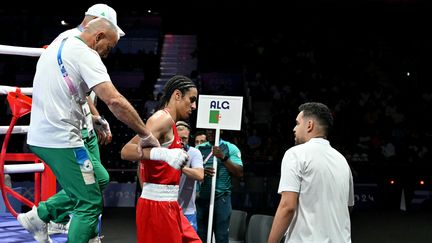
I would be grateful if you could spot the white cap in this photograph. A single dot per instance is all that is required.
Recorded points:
(104, 11)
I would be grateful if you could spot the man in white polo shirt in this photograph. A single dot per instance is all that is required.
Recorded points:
(91, 134)
(316, 184)
(66, 71)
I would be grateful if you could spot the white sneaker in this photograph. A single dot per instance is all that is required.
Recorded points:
(56, 228)
(33, 224)
(95, 240)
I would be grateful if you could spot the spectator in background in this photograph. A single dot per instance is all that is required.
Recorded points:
(316, 184)
(229, 164)
(192, 172)
(151, 105)
(200, 137)
(254, 140)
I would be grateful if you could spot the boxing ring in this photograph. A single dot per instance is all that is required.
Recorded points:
(44, 179)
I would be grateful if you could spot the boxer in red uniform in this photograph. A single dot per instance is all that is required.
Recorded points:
(158, 215)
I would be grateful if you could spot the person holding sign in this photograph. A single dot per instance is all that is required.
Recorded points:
(316, 184)
(159, 217)
(229, 164)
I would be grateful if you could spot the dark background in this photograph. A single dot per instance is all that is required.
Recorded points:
(354, 56)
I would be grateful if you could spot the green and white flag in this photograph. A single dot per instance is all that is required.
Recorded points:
(223, 112)
(214, 116)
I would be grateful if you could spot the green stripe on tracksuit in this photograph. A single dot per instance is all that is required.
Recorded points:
(81, 195)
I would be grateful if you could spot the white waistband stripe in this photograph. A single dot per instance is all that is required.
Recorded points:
(159, 192)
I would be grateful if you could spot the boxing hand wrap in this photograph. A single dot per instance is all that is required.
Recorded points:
(175, 158)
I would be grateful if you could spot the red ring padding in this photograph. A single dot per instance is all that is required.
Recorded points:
(21, 105)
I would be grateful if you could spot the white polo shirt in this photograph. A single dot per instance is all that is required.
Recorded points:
(187, 188)
(86, 108)
(56, 118)
(322, 177)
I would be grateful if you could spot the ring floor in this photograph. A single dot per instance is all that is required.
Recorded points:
(368, 226)
(12, 232)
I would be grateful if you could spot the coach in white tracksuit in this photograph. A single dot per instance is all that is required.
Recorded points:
(316, 184)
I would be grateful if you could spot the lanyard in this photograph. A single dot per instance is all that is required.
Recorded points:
(208, 157)
(210, 154)
(65, 74)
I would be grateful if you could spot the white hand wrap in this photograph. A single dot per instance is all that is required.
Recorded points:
(176, 158)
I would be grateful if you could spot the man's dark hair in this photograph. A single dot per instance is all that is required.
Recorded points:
(199, 133)
(179, 82)
(320, 112)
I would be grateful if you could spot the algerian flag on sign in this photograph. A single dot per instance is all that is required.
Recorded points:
(214, 116)
(223, 112)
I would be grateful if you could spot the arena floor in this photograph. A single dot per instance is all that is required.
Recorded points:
(368, 226)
